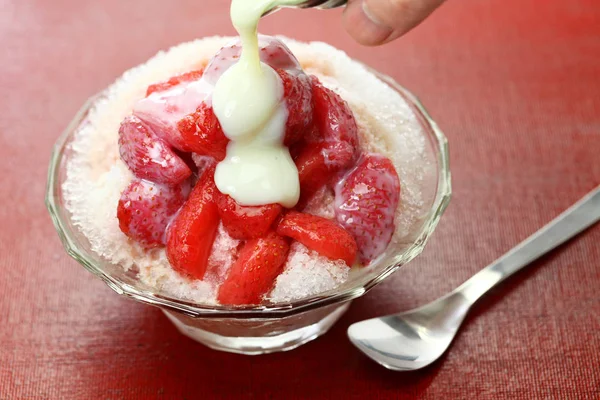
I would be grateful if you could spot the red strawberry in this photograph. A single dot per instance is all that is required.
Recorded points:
(319, 234)
(201, 133)
(252, 275)
(174, 81)
(244, 222)
(366, 200)
(192, 232)
(298, 98)
(145, 209)
(147, 156)
(333, 118)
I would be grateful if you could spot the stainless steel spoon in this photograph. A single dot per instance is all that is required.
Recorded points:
(416, 338)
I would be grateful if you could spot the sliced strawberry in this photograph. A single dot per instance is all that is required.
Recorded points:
(147, 156)
(201, 133)
(366, 200)
(322, 235)
(174, 81)
(252, 275)
(145, 209)
(333, 118)
(243, 222)
(297, 94)
(192, 232)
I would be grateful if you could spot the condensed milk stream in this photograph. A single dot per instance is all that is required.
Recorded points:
(248, 101)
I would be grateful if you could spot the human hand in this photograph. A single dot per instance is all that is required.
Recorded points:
(375, 22)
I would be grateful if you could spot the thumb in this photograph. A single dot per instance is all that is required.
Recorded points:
(375, 22)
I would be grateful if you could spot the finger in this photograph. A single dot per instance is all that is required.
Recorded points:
(361, 27)
(374, 22)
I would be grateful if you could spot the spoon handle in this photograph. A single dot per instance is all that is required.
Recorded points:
(577, 218)
(321, 4)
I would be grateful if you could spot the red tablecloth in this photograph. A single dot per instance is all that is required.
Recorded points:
(515, 84)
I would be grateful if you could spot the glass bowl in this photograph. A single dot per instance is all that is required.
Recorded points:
(268, 327)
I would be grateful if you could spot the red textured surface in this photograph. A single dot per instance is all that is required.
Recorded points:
(515, 84)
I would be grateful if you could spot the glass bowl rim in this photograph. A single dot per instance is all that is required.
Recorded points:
(195, 310)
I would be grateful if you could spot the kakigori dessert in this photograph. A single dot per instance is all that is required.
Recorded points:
(238, 171)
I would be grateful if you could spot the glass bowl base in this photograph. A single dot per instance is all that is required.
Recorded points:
(275, 337)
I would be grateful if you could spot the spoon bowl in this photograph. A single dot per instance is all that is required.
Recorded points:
(414, 339)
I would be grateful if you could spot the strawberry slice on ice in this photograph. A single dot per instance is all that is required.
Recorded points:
(147, 156)
(191, 234)
(366, 200)
(245, 222)
(174, 81)
(201, 133)
(322, 235)
(252, 275)
(297, 95)
(145, 210)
